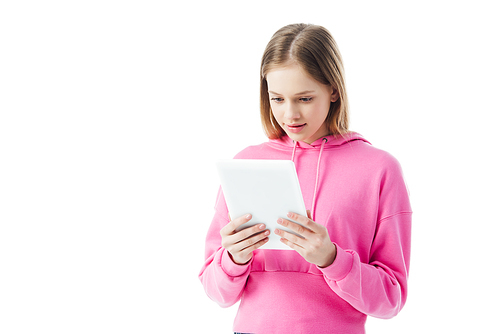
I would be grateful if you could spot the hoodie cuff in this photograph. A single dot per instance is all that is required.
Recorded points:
(231, 268)
(341, 267)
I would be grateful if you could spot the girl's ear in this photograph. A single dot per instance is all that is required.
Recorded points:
(335, 95)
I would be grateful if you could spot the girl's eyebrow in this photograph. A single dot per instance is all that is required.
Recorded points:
(301, 93)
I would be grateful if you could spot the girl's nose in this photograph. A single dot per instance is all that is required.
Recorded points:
(291, 111)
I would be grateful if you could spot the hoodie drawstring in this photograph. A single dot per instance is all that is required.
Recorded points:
(294, 147)
(317, 178)
(323, 142)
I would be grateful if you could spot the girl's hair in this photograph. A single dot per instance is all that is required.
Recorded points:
(313, 48)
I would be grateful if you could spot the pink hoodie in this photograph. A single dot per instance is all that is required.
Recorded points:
(359, 194)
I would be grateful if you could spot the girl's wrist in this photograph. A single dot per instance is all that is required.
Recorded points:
(331, 259)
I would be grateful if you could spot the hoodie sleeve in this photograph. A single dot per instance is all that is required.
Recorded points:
(379, 287)
(222, 279)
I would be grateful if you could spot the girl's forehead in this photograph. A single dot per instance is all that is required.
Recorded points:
(290, 79)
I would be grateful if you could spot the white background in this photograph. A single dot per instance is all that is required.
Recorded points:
(113, 113)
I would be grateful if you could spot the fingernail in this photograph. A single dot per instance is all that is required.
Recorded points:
(280, 221)
(289, 214)
(276, 231)
(248, 216)
(262, 226)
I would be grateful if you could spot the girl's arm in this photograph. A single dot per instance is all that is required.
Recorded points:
(222, 279)
(228, 257)
(378, 285)
(377, 288)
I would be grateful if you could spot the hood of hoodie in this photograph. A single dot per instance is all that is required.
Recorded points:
(331, 141)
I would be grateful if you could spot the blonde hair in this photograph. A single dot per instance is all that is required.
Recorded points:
(313, 48)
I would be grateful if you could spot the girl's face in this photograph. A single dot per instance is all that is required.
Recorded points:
(299, 103)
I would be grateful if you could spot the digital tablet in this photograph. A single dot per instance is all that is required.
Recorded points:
(267, 189)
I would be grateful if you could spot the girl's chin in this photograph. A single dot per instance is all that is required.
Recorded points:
(297, 137)
(303, 137)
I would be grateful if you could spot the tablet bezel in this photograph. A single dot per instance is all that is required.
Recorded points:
(267, 189)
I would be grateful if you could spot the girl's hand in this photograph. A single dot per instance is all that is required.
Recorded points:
(240, 245)
(316, 246)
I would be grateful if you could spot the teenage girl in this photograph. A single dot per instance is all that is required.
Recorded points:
(353, 257)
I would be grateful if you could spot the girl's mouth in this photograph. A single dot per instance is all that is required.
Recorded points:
(295, 128)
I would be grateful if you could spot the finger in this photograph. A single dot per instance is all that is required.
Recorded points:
(231, 227)
(247, 232)
(292, 245)
(228, 241)
(297, 228)
(304, 221)
(290, 238)
(309, 214)
(256, 245)
(250, 242)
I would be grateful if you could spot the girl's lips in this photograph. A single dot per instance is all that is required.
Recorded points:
(295, 128)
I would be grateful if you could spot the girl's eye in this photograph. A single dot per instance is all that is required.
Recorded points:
(277, 99)
(306, 99)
